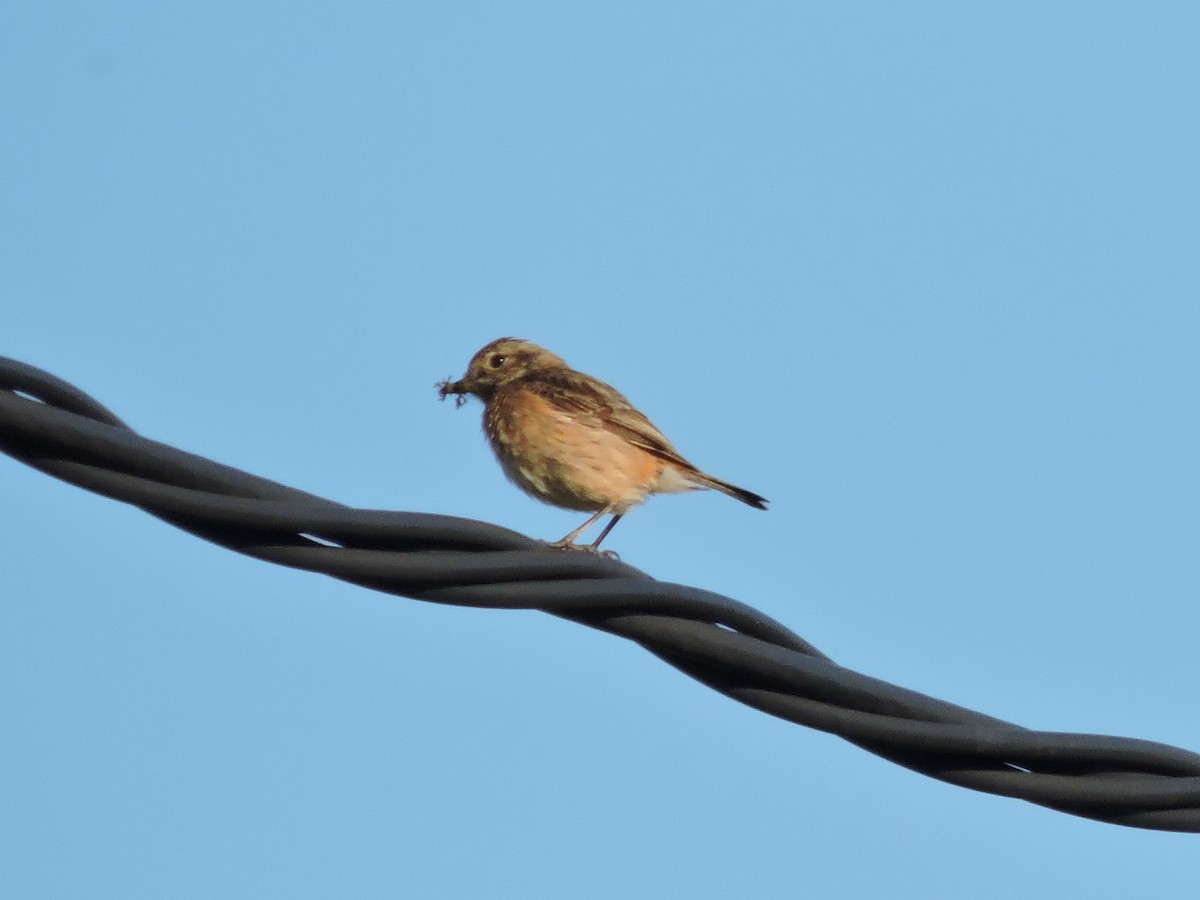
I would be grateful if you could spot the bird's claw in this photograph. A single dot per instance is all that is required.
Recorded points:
(564, 544)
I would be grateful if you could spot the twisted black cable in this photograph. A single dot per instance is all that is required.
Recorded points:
(729, 646)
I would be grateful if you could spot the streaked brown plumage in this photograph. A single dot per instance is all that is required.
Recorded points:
(571, 440)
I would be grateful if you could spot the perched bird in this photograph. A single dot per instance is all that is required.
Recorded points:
(573, 441)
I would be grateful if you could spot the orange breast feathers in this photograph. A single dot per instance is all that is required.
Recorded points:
(570, 459)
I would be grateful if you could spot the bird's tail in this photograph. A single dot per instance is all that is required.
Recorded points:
(748, 497)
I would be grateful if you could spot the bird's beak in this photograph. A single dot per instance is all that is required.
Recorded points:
(461, 388)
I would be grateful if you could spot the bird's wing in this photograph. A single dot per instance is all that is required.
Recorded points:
(582, 395)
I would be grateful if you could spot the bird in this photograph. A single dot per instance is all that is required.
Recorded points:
(573, 441)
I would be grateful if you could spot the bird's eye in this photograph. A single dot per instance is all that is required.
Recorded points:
(497, 360)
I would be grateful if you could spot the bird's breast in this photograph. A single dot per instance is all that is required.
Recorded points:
(569, 459)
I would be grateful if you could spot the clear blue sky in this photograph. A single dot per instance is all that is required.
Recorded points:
(925, 275)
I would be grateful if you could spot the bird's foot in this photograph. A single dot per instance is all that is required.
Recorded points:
(565, 544)
(568, 544)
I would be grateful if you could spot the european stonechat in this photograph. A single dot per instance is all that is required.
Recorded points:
(573, 441)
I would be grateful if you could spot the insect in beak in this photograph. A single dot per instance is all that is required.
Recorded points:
(447, 387)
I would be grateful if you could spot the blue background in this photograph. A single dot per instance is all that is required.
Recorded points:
(924, 274)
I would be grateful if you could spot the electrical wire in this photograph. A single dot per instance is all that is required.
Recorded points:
(727, 645)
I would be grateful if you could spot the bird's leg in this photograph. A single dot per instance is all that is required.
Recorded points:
(568, 543)
(595, 545)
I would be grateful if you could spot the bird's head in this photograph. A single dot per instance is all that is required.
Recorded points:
(501, 362)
